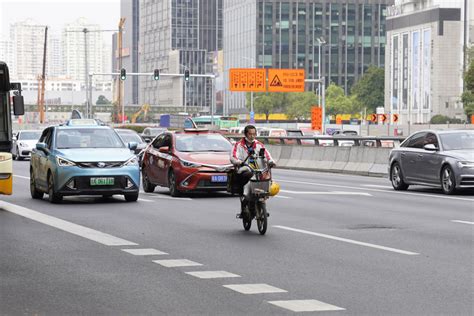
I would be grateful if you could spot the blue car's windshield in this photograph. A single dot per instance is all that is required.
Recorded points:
(457, 140)
(87, 138)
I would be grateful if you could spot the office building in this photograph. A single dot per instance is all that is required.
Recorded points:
(287, 34)
(177, 35)
(425, 60)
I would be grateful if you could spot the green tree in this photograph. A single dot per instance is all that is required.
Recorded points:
(336, 101)
(468, 96)
(300, 105)
(262, 103)
(369, 89)
(442, 119)
(102, 100)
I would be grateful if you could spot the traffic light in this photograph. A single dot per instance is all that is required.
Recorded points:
(123, 74)
(186, 75)
(156, 74)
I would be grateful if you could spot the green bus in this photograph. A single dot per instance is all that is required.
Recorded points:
(220, 121)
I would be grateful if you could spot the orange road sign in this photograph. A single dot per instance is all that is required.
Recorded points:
(316, 118)
(395, 118)
(247, 79)
(373, 118)
(286, 80)
(383, 118)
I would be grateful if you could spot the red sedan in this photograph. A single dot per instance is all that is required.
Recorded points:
(192, 160)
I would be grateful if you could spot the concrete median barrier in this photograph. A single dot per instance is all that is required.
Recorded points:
(351, 160)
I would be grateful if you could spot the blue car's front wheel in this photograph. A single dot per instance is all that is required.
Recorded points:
(131, 197)
(53, 197)
(35, 193)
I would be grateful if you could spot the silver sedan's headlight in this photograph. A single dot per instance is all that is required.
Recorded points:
(63, 162)
(466, 164)
(131, 162)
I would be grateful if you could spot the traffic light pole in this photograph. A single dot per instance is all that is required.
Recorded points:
(151, 74)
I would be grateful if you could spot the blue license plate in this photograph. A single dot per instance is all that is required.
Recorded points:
(218, 178)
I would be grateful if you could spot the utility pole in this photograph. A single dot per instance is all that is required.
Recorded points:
(120, 104)
(43, 78)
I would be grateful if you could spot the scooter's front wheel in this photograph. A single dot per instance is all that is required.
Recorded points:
(262, 218)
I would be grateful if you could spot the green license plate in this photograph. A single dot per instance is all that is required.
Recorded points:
(102, 181)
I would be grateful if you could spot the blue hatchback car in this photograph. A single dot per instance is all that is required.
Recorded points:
(83, 159)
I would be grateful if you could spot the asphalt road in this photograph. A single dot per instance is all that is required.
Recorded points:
(336, 244)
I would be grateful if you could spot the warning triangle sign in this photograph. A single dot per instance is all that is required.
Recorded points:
(276, 82)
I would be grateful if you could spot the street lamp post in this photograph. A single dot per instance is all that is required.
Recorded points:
(252, 120)
(321, 42)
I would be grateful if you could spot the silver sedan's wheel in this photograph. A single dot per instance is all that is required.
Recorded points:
(448, 181)
(396, 177)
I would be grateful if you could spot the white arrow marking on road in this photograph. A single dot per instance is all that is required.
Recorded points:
(348, 240)
(462, 222)
(66, 226)
(327, 192)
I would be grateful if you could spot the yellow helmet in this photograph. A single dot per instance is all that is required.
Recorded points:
(274, 188)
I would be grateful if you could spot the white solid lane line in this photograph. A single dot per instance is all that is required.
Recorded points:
(355, 242)
(306, 306)
(213, 274)
(282, 197)
(173, 263)
(376, 190)
(144, 252)
(462, 222)
(145, 200)
(254, 288)
(160, 196)
(21, 177)
(66, 226)
(377, 186)
(326, 192)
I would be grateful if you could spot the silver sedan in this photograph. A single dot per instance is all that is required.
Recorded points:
(434, 158)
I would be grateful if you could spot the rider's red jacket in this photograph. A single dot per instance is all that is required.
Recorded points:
(240, 151)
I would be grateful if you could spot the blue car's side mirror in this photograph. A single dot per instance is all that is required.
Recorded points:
(132, 145)
(42, 147)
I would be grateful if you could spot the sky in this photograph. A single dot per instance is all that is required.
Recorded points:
(56, 13)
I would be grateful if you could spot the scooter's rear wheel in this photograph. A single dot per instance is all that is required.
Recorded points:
(262, 217)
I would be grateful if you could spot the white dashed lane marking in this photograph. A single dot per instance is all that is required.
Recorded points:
(66, 226)
(173, 263)
(254, 288)
(144, 252)
(213, 274)
(350, 241)
(306, 306)
(282, 197)
(462, 222)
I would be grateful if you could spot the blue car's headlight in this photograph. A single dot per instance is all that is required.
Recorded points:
(131, 162)
(63, 162)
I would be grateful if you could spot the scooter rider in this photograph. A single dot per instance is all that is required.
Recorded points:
(244, 151)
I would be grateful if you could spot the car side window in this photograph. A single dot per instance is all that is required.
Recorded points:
(43, 136)
(158, 142)
(417, 141)
(167, 141)
(49, 138)
(431, 138)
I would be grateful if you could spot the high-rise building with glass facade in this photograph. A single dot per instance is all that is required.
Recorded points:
(286, 34)
(176, 35)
